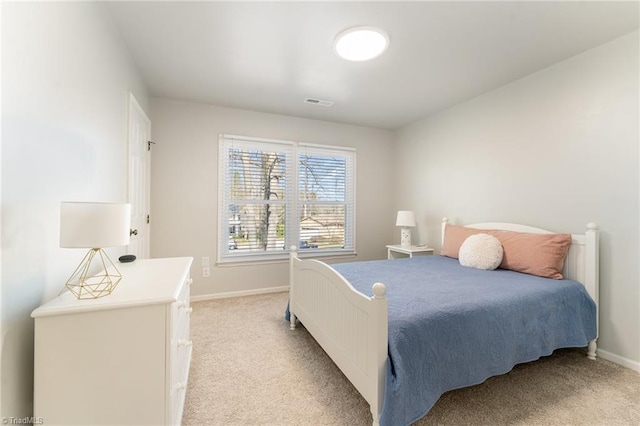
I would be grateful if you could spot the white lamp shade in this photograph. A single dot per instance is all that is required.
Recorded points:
(94, 225)
(406, 219)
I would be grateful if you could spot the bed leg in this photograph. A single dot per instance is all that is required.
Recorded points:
(376, 419)
(292, 321)
(591, 349)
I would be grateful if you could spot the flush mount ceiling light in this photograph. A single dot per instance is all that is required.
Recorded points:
(361, 43)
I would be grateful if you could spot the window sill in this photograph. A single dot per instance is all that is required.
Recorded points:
(280, 259)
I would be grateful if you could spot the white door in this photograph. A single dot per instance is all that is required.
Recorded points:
(139, 178)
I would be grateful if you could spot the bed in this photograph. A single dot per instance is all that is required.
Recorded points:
(431, 325)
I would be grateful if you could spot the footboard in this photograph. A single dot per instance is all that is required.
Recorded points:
(351, 327)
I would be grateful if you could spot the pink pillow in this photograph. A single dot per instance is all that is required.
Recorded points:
(536, 254)
(454, 236)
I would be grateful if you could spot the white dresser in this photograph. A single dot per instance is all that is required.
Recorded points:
(119, 360)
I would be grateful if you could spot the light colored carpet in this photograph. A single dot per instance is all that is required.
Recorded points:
(248, 368)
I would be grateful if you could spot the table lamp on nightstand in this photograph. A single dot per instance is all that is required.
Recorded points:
(94, 226)
(407, 220)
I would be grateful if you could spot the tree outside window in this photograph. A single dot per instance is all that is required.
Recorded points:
(277, 194)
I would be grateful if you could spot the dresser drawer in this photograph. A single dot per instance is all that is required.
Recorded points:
(180, 336)
(180, 311)
(180, 352)
(180, 376)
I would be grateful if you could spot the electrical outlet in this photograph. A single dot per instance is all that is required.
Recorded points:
(206, 272)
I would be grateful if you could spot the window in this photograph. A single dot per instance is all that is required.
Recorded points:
(277, 194)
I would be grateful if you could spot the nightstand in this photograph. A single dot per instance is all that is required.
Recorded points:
(398, 251)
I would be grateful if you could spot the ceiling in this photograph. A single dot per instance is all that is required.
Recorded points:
(270, 56)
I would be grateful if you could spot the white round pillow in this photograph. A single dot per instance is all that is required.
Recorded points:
(481, 251)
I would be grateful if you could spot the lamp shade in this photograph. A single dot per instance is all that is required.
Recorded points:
(406, 219)
(94, 225)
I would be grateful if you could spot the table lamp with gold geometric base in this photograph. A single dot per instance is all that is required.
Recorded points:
(94, 226)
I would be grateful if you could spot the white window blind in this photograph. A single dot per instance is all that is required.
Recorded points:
(277, 194)
(325, 198)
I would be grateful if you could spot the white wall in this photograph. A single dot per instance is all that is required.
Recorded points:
(557, 149)
(66, 79)
(184, 185)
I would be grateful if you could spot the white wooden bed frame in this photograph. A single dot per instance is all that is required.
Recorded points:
(353, 328)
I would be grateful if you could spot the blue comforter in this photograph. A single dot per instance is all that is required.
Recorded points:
(452, 326)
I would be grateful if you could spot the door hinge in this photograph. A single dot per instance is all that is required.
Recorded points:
(148, 219)
(149, 145)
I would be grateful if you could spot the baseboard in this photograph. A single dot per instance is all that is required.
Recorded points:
(239, 293)
(619, 360)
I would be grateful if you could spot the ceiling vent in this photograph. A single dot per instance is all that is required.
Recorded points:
(314, 101)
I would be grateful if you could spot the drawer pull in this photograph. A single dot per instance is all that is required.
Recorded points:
(189, 310)
(183, 342)
(182, 304)
(190, 281)
(180, 386)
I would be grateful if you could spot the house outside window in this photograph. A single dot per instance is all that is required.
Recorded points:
(277, 194)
